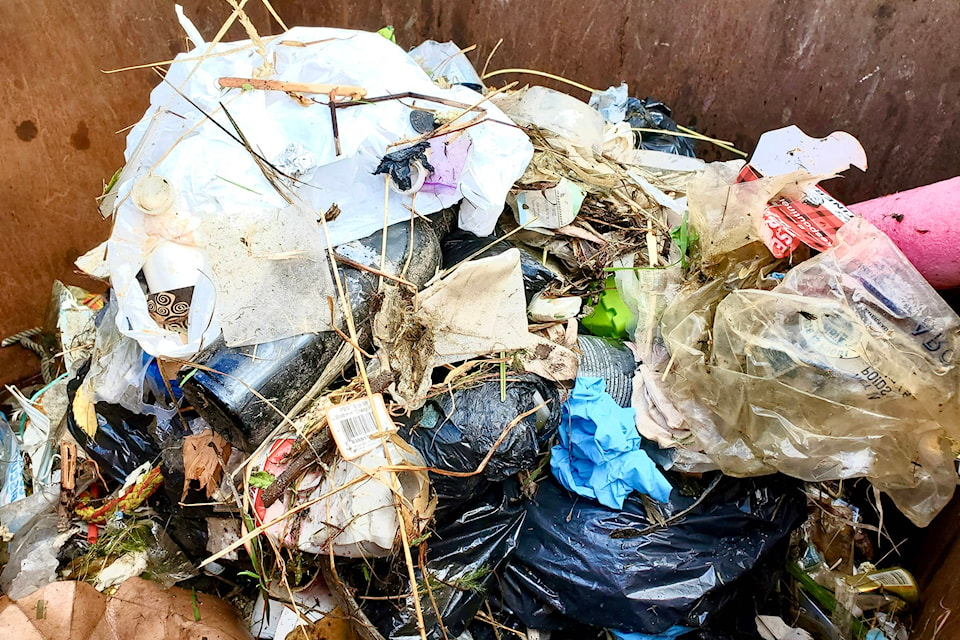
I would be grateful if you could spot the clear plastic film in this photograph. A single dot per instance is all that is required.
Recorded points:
(848, 368)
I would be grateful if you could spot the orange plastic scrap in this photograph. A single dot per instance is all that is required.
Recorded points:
(128, 501)
(93, 301)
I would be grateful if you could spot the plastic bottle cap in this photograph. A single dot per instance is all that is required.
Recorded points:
(152, 194)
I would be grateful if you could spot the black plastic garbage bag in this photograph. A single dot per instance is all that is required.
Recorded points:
(650, 113)
(612, 569)
(122, 441)
(458, 245)
(398, 164)
(463, 557)
(456, 430)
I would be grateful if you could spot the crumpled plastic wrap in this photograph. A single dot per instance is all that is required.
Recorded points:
(727, 214)
(33, 555)
(456, 430)
(122, 441)
(464, 555)
(848, 368)
(11, 465)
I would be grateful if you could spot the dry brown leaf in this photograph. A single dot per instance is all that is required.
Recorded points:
(84, 412)
(139, 610)
(203, 458)
(333, 626)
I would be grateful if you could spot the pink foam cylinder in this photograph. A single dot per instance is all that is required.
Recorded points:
(925, 224)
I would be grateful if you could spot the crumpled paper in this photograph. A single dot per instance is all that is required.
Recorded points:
(480, 308)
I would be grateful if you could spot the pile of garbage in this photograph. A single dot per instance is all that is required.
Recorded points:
(390, 353)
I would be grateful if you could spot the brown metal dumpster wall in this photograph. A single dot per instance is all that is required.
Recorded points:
(887, 71)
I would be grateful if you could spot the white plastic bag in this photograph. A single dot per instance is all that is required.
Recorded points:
(212, 174)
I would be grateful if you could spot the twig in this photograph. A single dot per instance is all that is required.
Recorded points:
(636, 533)
(426, 583)
(348, 91)
(394, 482)
(476, 253)
(262, 163)
(240, 140)
(336, 127)
(297, 462)
(681, 134)
(377, 272)
(359, 620)
(496, 631)
(543, 74)
(720, 144)
(489, 57)
(483, 463)
(178, 60)
(276, 17)
(483, 617)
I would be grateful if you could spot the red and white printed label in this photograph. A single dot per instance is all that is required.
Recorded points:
(787, 222)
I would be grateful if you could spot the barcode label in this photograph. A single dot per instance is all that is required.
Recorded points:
(354, 425)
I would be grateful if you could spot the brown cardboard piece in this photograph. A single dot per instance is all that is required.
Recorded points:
(139, 610)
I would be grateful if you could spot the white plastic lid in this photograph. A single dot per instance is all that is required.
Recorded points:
(152, 194)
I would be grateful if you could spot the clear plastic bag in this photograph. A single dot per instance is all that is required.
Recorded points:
(848, 368)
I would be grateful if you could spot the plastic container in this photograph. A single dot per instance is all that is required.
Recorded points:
(610, 317)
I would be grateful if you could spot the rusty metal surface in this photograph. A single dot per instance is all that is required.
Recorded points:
(885, 71)
(58, 118)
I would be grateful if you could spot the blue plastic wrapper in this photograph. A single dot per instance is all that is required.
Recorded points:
(599, 454)
(618, 570)
(673, 632)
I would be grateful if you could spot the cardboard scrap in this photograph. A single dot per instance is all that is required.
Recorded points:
(140, 610)
(204, 456)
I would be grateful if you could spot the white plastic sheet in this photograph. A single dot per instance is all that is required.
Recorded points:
(212, 174)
